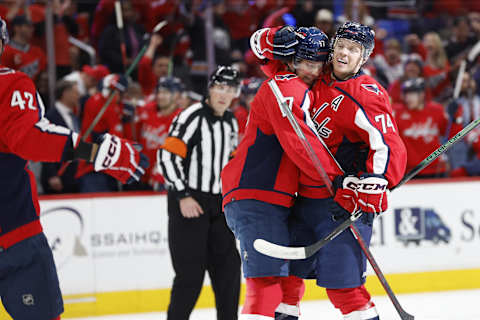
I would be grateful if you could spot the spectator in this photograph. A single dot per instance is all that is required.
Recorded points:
(389, 66)
(474, 21)
(109, 43)
(112, 121)
(304, 13)
(63, 113)
(87, 79)
(19, 53)
(462, 39)
(421, 125)
(436, 69)
(64, 26)
(462, 111)
(324, 21)
(471, 167)
(412, 68)
(152, 66)
(242, 18)
(356, 10)
(222, 44)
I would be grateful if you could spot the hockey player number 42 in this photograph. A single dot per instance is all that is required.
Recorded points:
(19, 101)
(385, 121)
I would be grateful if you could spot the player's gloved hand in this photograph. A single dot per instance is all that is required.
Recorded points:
(372, 193)
(276, 43)
(345, 196)
(120, 159)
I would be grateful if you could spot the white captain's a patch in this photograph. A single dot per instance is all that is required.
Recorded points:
(372, 87)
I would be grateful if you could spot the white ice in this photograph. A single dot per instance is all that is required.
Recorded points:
(448, 305)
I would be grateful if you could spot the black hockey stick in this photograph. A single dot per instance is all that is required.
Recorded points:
(349, 222)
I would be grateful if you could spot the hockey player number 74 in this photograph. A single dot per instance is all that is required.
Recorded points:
(385, 124)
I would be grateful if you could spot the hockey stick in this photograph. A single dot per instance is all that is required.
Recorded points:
(318, 166)
(123, 45)
(119, 20)
(112, 95)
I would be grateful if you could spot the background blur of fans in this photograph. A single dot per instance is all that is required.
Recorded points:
(54, 41)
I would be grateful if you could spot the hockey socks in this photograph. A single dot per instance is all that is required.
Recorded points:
(354, 303)
(263, 295)
(293, 289)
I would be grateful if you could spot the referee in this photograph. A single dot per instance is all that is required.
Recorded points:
(200, 142)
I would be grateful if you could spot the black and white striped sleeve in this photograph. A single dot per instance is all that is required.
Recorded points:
(172, 156)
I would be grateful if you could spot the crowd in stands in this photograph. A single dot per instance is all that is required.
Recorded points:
(419, 49)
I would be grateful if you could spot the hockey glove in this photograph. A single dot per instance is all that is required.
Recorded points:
(120, 159)
(372, 193)
(274, 43)
(345, 196)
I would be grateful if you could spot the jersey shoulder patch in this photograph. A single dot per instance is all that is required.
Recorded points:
(372, 87)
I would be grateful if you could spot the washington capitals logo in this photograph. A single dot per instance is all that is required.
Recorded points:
(372, 87)
(285, 76)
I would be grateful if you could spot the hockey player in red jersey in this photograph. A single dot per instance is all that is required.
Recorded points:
(29, 284)
(260, 182)
(354, 118)
(154, 122)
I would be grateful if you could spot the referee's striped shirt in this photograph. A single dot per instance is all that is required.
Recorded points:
(198, 146)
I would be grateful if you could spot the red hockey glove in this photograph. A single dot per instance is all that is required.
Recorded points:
(274, 43)
(372, 193)
(120, 159)
(345, 196)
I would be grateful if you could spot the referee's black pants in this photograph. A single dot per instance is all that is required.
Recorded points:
(198, 245)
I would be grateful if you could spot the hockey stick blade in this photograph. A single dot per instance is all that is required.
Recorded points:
(297, 253)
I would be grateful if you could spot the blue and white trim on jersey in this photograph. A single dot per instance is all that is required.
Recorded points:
(40, 105)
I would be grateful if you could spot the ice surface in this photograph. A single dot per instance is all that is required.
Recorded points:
(448, 305)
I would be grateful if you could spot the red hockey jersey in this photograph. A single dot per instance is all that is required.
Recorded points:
(354, 118)
(153, 131)
(270, 155)
(24, 135)
(421, 131)
(109, 122)
(28, 59)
